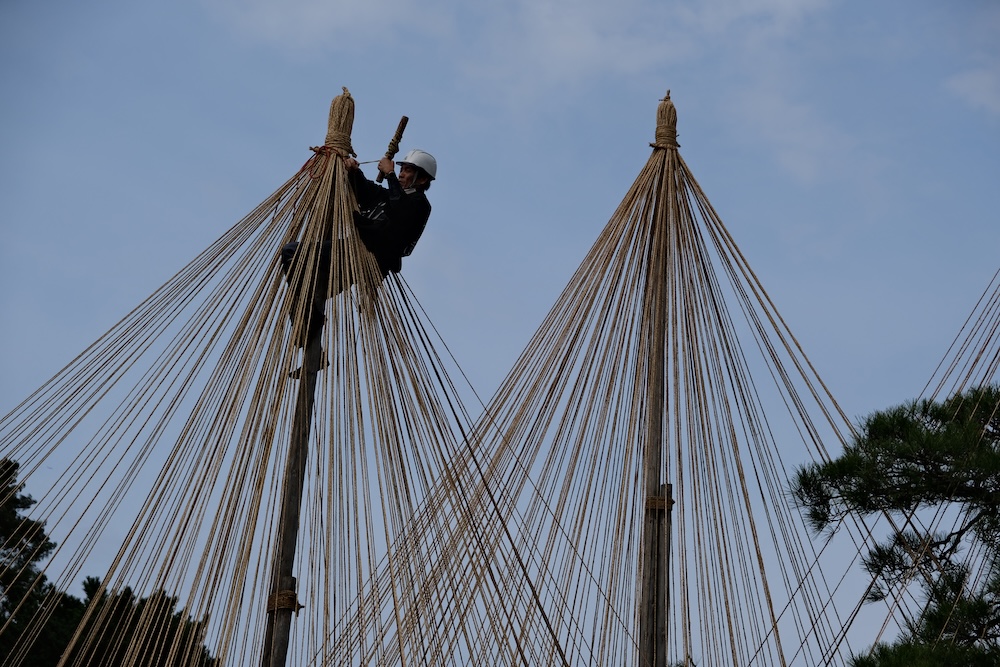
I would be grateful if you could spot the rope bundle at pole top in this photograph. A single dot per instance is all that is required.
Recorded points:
(666, 124)
(340, 124)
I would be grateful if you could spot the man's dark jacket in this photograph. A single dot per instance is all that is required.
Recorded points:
(391, 219)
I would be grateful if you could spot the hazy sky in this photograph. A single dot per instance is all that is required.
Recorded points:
(853, 150)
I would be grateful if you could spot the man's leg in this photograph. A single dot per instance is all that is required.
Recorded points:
(318, 284)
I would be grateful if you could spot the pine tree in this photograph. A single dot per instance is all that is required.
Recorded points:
(126, 629)
(24, 589)
(925, 455)
(120, 629)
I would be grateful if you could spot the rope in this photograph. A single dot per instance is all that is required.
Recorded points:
(340, 124)
(432, 531)
(666, 124)
(283, 600)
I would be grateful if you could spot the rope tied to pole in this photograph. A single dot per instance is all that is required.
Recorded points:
(284, 600)
(317, 163)
(340, 124)
(393, 147)
(666, 124)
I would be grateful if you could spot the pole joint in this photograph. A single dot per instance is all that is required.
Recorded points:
(283, 600)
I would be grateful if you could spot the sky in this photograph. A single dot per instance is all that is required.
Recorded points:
(852, 149)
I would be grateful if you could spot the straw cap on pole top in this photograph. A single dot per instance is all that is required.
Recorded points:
(666, 124)
(341, 123)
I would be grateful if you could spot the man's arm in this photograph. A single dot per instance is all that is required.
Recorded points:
(368, 193)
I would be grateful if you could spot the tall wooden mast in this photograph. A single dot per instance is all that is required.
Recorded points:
(283, 601)
(654, 588)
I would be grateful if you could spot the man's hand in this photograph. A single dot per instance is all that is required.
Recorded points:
(386, 165)
(350, 163)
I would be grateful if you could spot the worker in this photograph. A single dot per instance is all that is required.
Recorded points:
(392, 219)
(389, 222)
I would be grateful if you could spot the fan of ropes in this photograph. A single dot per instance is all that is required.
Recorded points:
(197, 448)
(647, 434)
(973, 359)
(620, 500)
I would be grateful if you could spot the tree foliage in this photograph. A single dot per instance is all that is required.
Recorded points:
(925, 455)
(24, 589)
(38, 622)
(124, 629)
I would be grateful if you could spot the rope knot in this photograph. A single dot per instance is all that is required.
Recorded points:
(284, 600)
(666, 124)
(317, 163)
(340, 124)
(338, 135)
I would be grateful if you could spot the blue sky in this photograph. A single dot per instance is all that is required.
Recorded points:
(853, 150)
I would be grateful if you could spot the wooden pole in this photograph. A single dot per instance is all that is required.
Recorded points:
(656, 518)
(655, 556)
(655, 583)
(655, 535)
(283, 601)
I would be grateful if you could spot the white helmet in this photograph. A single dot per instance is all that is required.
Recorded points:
(421, 160)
